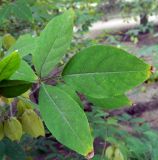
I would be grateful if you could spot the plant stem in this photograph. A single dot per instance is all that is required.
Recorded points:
(33, 91)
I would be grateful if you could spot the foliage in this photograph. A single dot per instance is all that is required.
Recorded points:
(33, 15)
(144, 8)
(98, 77)
(125, 132)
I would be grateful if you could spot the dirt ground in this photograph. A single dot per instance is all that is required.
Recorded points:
(115, 24)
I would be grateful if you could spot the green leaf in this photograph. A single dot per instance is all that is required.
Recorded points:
(71, 92)
(102, 71)
(110, 102)
(13, 88)
(24, 73)
(25, 45)
(63, 117)
(9, 65)
(22, 10)
(14, 150)
(2, 149)
(4, 12)
(53, 43)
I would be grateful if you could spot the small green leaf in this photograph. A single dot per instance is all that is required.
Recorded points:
(110, 102)
(24, 73)
(63, 117)
(9, 65)
(22, 10)
(25, 45)
(4, 12)
(2, 149)
(103, 71)
(53, 43)
(14, 150)
(13, 88)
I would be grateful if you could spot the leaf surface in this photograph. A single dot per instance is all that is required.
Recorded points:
(9, 65)
(22, 10)
(13, 88)
(24, 73)
(25, 45)
(110, 102)
(14, 150)
(71, 92)
(4, 12)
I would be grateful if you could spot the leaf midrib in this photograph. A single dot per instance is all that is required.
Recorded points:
(101, 73)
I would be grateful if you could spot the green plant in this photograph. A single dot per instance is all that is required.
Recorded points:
(19, 8)
(32, 16)
(91, 72)
(125, 132)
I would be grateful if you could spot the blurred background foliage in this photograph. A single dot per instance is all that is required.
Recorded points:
(135, 136)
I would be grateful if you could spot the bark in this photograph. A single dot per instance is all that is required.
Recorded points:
(144, 19)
